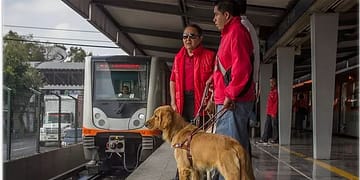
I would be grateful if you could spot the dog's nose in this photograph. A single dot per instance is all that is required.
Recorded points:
(146, 123)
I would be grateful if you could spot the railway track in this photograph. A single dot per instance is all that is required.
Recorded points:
(83, 173)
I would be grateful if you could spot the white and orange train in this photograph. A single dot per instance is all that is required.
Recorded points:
(113, 121)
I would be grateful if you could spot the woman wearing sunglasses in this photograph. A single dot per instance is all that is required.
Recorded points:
(193, 66)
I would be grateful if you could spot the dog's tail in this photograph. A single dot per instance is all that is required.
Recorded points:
(246, 169)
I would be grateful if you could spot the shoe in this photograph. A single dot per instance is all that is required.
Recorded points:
(261, 141)
(274, 142)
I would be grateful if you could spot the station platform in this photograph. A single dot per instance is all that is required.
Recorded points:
(273, 161)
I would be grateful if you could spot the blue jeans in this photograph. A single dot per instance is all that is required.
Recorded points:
(234, 123)
(270, 129)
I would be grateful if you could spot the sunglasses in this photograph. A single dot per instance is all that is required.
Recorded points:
(192, 36)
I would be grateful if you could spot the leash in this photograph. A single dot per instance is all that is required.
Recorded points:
(196, 119)
(212, 120)
(186, 143)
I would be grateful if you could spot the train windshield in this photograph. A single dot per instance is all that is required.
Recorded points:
(120, 81)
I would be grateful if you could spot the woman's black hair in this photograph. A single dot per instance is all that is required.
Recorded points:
(197, 27)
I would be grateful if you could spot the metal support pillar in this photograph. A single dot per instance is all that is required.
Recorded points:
(285, 74)
(265, 75)
(59, 119)
(37, 112)
(76, 117)
(8, 124)
(324, 30)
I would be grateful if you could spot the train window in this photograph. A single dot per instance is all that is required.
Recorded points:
(115, 82)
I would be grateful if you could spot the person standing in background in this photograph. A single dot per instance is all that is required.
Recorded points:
(301, 111)
(271, 123)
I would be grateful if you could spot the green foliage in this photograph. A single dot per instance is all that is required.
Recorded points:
(77, 54)
(18, 74)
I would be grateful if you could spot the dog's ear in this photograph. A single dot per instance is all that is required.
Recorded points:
(166, 118)
(167, 108)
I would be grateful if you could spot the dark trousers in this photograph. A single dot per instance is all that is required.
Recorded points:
(275, 127)
(299, 118)
(188, 109)
(270, 129)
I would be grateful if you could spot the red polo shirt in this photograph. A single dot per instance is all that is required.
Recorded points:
(189, 71)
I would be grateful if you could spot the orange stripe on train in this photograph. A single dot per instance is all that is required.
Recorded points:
(143, 132)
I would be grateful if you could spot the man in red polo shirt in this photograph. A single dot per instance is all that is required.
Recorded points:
(193, 66)
(233, 76)
(237, 93)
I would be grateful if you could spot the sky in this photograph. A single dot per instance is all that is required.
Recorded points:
(57, 15)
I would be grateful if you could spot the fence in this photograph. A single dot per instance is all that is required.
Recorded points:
(24, 117)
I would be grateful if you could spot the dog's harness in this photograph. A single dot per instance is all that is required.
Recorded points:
(186, 144)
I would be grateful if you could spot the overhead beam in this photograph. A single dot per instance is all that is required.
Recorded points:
(298, 18)
(97, 17)
(266, 11)
(161, 33)
(150, 32)
(158, 48)
(142, 5)
(210, 36)
(250, 9)
(184, 9)
(122, 39)
(339, 50)
(299, 9)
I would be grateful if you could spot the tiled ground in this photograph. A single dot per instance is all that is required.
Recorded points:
(295, 161)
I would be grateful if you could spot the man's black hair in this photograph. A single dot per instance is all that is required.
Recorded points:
(231, 6)
(242, 6)
(197, 27)
(274, 79)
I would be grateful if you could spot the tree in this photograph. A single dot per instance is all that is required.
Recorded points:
(77, 54)
(17, 54)
(19, 75)
(17, 44)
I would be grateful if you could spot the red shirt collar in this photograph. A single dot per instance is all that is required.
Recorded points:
(196, 51)
(227, 27)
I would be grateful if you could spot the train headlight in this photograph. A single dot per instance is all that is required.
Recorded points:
(101, 122)
(136, 122)
(141, 116)
(100, 119)
(97, 115)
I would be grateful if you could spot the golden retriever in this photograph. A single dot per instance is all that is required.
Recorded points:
(208, 150)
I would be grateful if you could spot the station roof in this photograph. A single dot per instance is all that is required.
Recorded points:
(61, 65)
(154, 27)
